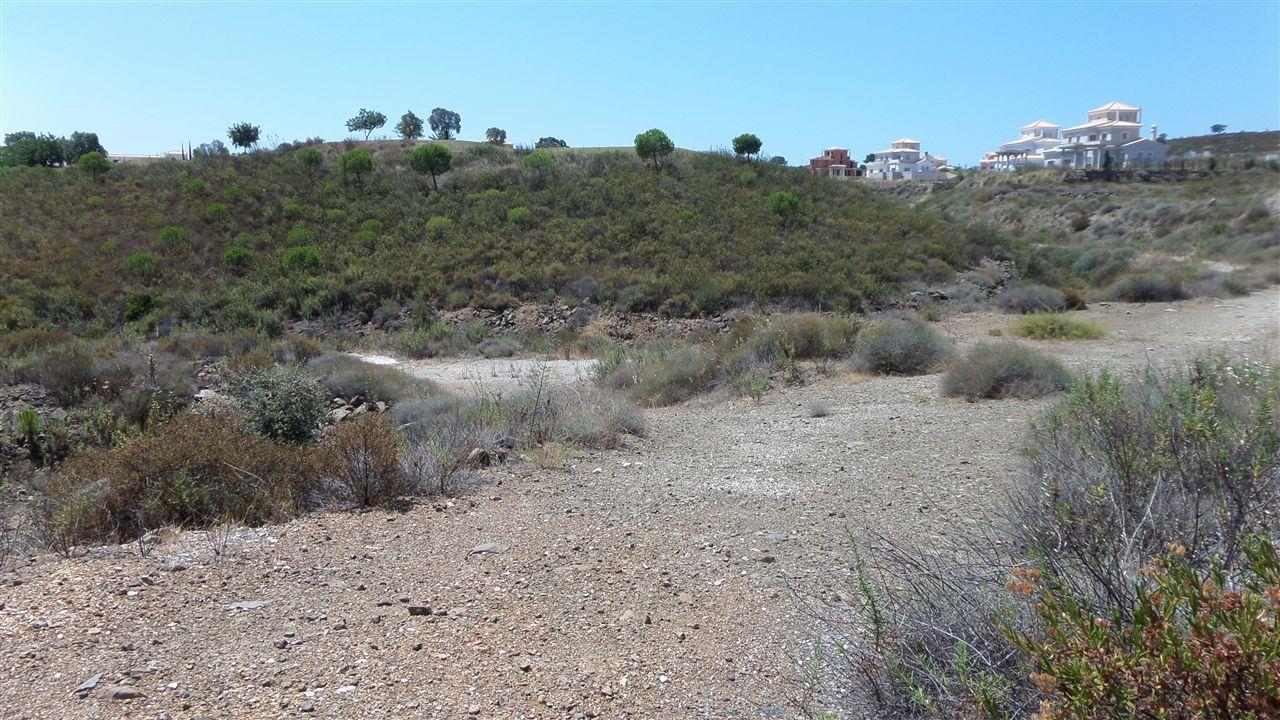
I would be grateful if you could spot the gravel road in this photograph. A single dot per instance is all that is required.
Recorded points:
(647, 582)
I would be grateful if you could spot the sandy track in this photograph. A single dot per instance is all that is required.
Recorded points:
(648, 582)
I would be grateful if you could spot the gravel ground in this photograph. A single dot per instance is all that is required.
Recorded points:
(648, 582)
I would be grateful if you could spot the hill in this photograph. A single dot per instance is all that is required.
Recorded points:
(1232, 145)
(255, 241)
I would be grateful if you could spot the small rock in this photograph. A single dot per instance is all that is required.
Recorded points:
(88, 685)
(487, 548)
(246, 605)
(123, 692)
(419, 610)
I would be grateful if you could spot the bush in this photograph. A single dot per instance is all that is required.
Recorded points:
(1147, 287)
(310, 158)
(195, 188)
(905, 345)
(190, 471)
(216, 212)
(1198, 645)
(280, 402)
(674, 377)
(1004, 370)
(1056, 326)
(300, 257)
(438, 226)
(142, 264)
(498, 348)
(786, 206)
(173, 237)
(237, 257)
(291, 210)
(361, 462)
(1184, 458)
(1032, 299)
(346, 376)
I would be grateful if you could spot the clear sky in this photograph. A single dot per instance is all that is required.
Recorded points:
(959, 77)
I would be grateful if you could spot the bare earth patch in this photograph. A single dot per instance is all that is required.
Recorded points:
(649, 582)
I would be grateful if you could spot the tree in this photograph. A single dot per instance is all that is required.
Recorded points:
(310, 158)
(494, 135)
(539, 162)
(747, 144)
(444, 123)
(366, 121)
(80, 143)
(243, 135)
(211, 149)
(777, 160)
(1163, 138)
(27, 148)
(653, 145)
(433, 159)
(550, 142)
(870, 158)
(94, 163)
(1218, 128)
(357, 162)
(410, 126)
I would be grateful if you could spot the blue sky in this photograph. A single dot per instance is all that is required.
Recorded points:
(959, 77)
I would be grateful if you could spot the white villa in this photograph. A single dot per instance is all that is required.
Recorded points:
(1113, 130)
(903, 161)
(1028, 150)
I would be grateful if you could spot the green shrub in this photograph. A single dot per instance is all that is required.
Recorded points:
(521, 216)
(1004, 370)
(371, 225)
(142, 264)
(336, 215)
(292, 210)
(301, 257)
(195, 188)
(310, 158)
(1056, 326)
(237, 257)
(786, 206)
(1032, 299)
(299, 235)
(233, 194)
(438, 226)
(280, 402)
(173, 237)
(905, 345)
(1147, 287)
(216, 212)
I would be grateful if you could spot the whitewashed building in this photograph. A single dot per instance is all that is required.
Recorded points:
(904, 161)
(1029, 149)
(1113, 130)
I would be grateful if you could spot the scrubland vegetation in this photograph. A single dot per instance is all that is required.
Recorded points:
(1134, 573)
(1134, 241)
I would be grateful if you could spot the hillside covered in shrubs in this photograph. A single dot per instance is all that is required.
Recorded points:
(258, 240)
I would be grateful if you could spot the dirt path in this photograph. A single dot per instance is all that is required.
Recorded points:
(649, 582)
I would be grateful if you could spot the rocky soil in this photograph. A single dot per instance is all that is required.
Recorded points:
(655, 581)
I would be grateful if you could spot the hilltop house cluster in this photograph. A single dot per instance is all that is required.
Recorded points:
(903, 160)
(1111, 136)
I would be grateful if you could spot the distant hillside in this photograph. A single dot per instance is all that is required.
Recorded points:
(255, 241)
(1242, 144)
